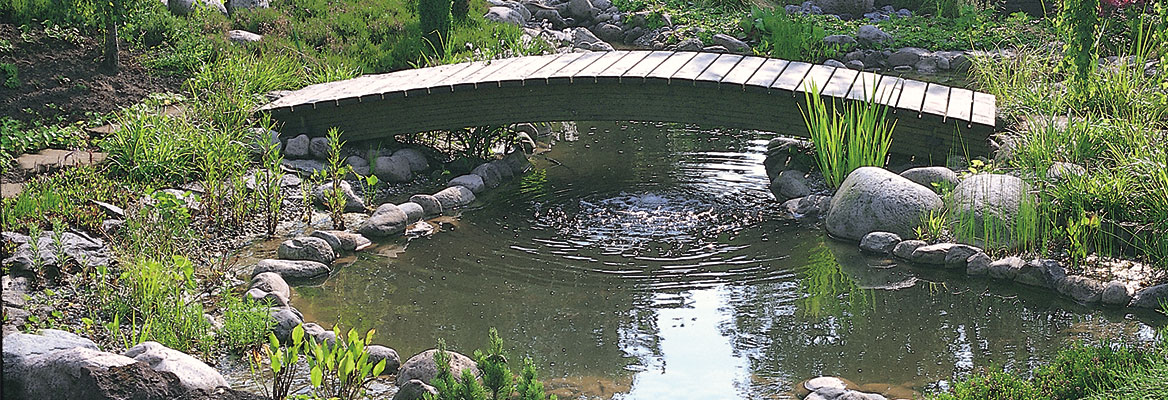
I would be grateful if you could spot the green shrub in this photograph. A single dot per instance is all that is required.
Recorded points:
(992, 385)
(434, 22)
(245, 322)
(341, 369)
(498, 382)
(9, 76)
(67, 196)
(858, 136)
(156, 297)
(459, 9)
(1081, 370)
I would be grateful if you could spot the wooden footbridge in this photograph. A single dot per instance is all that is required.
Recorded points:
(710, 89)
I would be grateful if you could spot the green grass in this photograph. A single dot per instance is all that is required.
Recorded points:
(65, 196)
(847, 136)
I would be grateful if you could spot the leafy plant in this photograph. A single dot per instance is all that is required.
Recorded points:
(245, 322)
(283, 362)
(465, 387)
(268, 186)
(334, 195)
(859, 136)
(9, 72)
(342, 369)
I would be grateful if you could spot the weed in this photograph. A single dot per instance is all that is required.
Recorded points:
(156, 296)
(859, 136)
(434, 21)
(9, 76)
(342, 369)
(245, 322)
(267, 182)
(283, 362)
(334, 196)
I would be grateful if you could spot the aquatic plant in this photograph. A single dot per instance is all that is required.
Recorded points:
(858, 136)
(341, 369)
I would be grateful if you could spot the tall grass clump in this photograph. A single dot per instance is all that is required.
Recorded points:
(849, 136)
(434, 20)
(790, 37)
(156, 298)
(152, 147)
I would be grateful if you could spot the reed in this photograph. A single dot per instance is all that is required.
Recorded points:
(859, 136)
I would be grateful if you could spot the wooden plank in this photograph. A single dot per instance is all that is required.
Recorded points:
(416, 81)
(792, 76)
(696, 66)
(445, 84)
(638, 72)
(888, 90)
(865, 87)
(620, 67)
(770, 70)
(840, 83)
(718, 70)
(960, 105)
(565, 74)
(514, 75)
(743, 71)
(936, 100)
(818, 77)
(912, 96)
(670, 66)
(609, 59)
(984, 109)
(540, 76)
(486, 74)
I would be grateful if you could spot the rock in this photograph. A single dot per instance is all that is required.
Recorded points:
(551, 16)
(272, 299)
(393, 169)
(359, 165)
(834, 63)
(353, 202)
(414, 212)
(928, 64)
(807, 207)
(691, 44)
(243, 36)
(492, 176)
(879, 242)
(871, 35)
(1041, 273)
(958, 256)
(414, 158)
(192, 373)
(422, 367)
(112, 226)
(790, 184)
(378, 353)
(1061, 171)
(454, 197)
(582, 10)
(584, 39)
(469, 181)
(855, 64)
(292, 269)
(430, 205)
(19, 348)
(823, 382)
(504, 15)
(220, 393)
(185, 7)
(933, 254)
(319, 148)
(504, 169)
(839, 40)
(852, 7)
(271, 282)
(978, 264)
(343, 240)
(934, 178)
(309, 167)
(14, 289)
(608, 32)
(1149, 297)
(319, 334)
(415, 389)
(1006, 268)
(83, 373)
(286, 319)
(246, 4)
(1116, 293)
(907, 56)
(731, 43)
(111, 210)
(517, 160)
(77, 247)
(1081, 288)
(906, 248)
(872, 199)
(306, 248)
(297, 147)
(858, 395)
(388, 220)
(989, 201)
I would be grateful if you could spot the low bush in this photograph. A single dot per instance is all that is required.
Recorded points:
(1081, 370)
(992, 385)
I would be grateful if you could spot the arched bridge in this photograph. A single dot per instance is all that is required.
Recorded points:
(703, 88)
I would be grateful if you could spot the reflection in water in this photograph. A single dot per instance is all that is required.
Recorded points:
(642, 262)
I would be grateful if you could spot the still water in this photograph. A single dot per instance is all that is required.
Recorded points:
(646, 261)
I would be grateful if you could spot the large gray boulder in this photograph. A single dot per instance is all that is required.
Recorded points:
(307, 249)
(905, 249)
(934, 178)
(343, 240)
(84, 373)
(1149, 297)
(492, 176)
(414, 212)
(1006, 268)
(990, 206)
(292, 269)
(414, 158)
(320, 148)
(790, 184)
(1041, 273)
(430, 205)
(454, 197)
(388, 220)
(873, 199)
(415, 389)
(872, 35)
(518, 162)
(1116, 293)
(246, 4)
(731, 43)
(192, 373)
(285, 319)
(378, 353)
(907, 56)
(353, 202)
(20, 347)
(582, 10)
(469, 181)
(297, 147)
(271, 282)
(505, 15)
(393, 169)
(879, 242)
(423, 368)
(1081, 288)
(854, 8)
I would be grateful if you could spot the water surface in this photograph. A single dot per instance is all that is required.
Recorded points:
(647, 261)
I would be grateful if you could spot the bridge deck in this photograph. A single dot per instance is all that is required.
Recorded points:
(705, 88)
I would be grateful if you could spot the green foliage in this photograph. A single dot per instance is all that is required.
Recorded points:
(497, 377)
(858, 136)
(434, 22)
(459, 9)
(1081, 370)
(334, 172)
(341, 369)
(9, 76)
(152, 147)
(17, 139)
(791, 37)
(992, 385)
(498, 380)
(1078, 22)
(283, 362)
(529, 386)
(67, 196)
(157, 296)
(245, 322)
(267, 178)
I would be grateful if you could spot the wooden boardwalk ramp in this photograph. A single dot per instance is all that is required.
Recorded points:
(709, 89)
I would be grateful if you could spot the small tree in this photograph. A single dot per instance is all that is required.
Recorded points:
(460, 9)
(113, 12)
(434, 20)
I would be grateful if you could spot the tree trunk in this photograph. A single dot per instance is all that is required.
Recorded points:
(111, 61)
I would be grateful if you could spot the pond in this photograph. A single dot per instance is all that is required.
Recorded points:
(648, 261)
